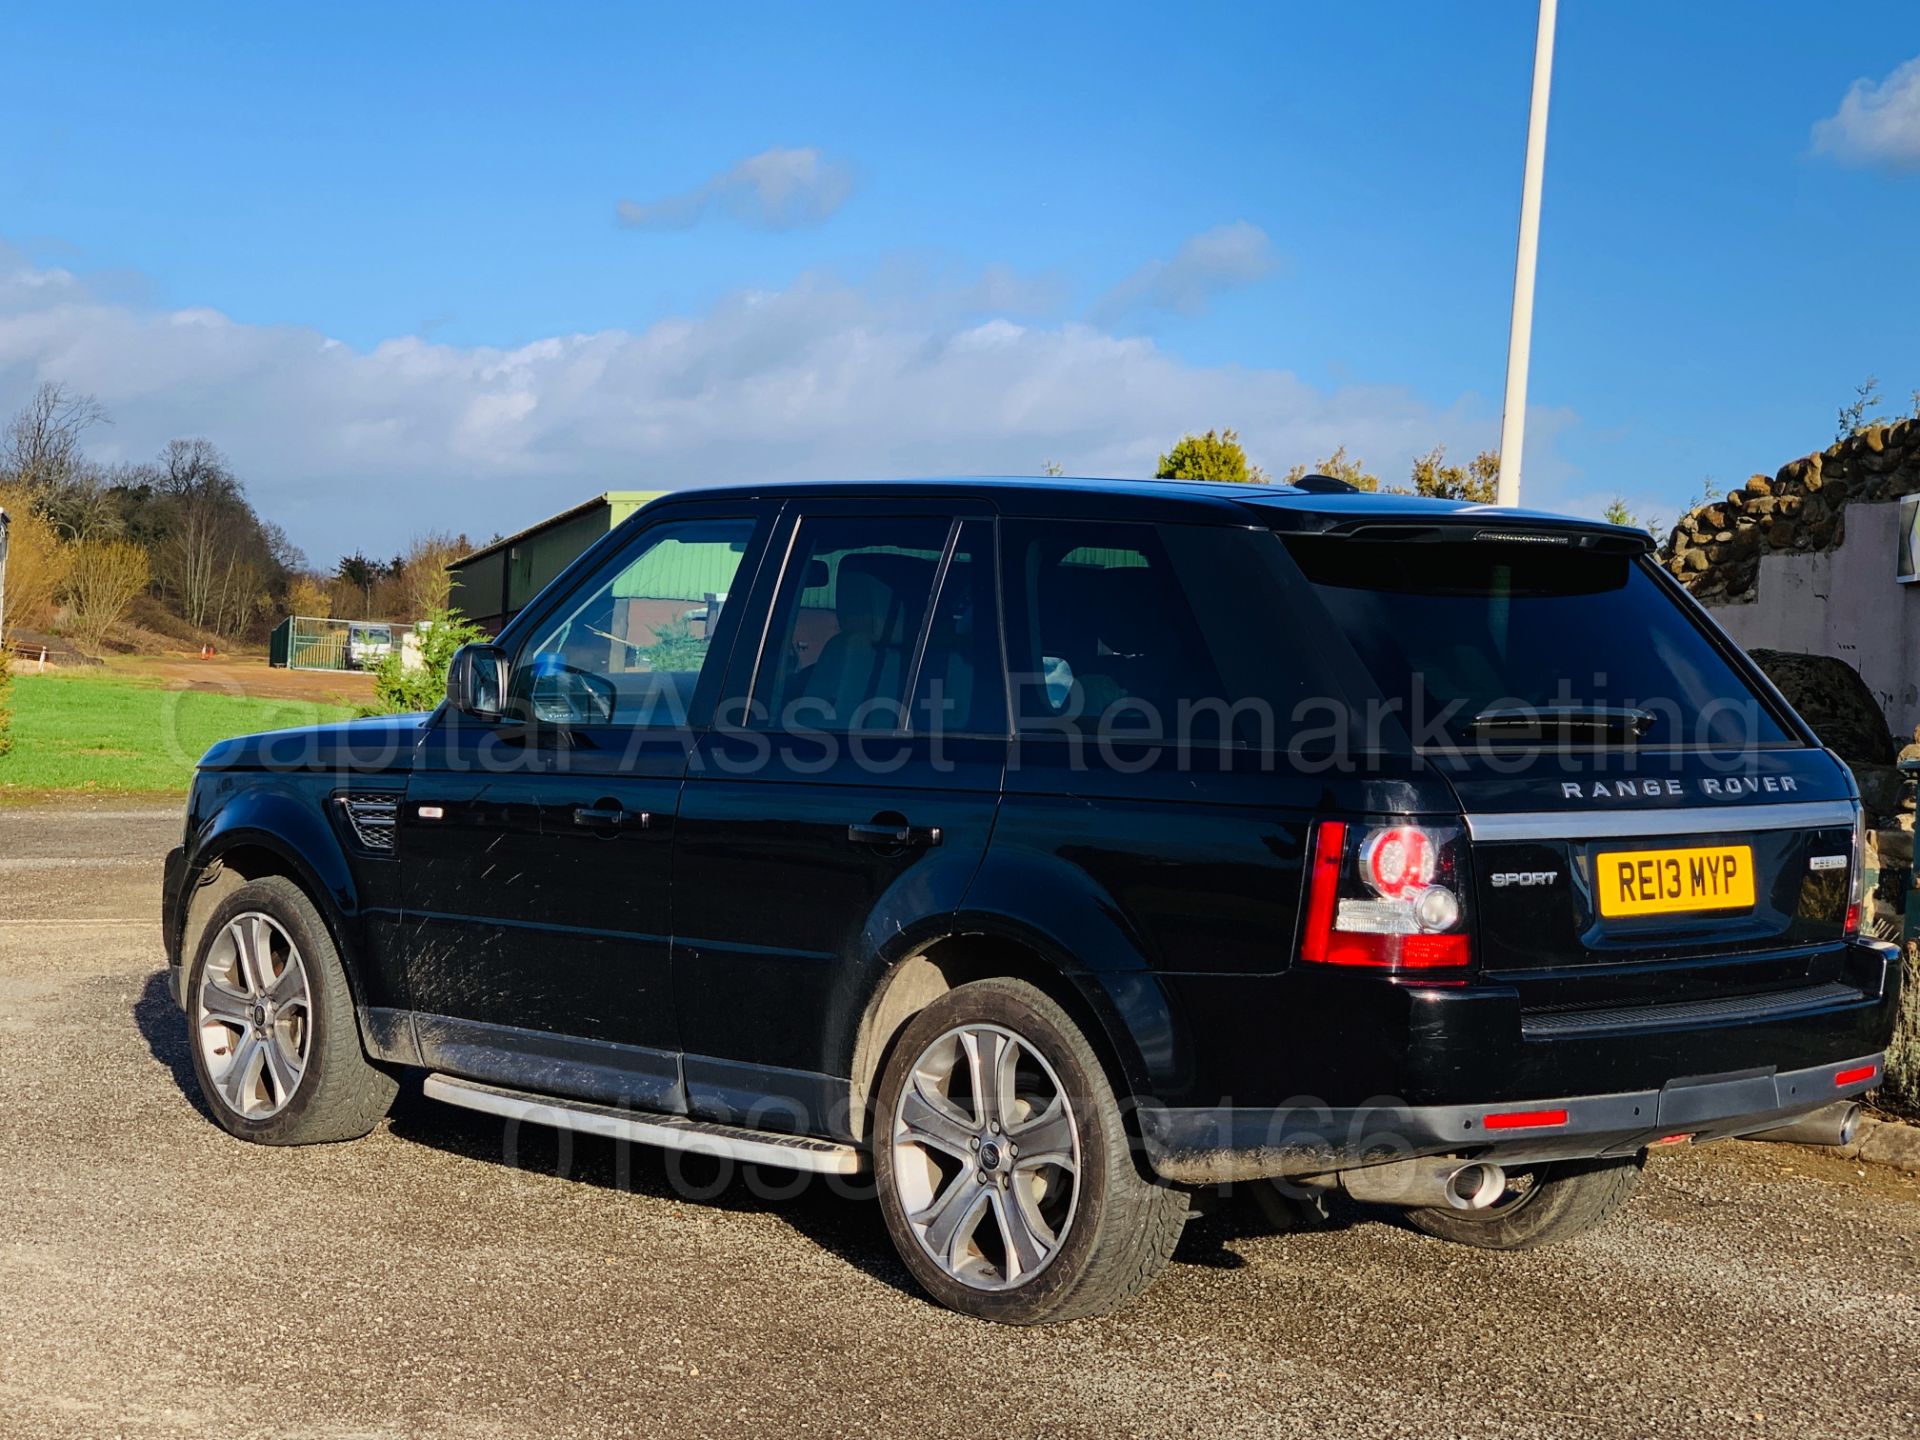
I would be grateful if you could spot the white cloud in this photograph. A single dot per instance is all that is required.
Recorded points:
(352, 447)
(1222, 258)
(1876, 125)
(777, 189)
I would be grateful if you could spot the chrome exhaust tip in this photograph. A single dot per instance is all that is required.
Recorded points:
(1428, 1184)
(1835, 1124)
(1475, 1186)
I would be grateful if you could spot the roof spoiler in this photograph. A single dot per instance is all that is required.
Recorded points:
(1594, 538)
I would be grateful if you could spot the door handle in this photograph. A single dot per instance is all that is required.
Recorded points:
(893, 837)
(611, 817)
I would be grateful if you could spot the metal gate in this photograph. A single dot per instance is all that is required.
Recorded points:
(302, 642)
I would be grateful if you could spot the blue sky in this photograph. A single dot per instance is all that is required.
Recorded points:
(381, 254)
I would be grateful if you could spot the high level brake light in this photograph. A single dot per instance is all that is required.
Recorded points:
(1387, 897)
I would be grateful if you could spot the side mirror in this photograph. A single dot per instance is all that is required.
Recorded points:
(477, 681)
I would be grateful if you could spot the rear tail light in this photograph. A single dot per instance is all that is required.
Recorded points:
(1857, 873)
(1388, 897)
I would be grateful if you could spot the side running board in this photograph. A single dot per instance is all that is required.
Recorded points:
(669, 1132)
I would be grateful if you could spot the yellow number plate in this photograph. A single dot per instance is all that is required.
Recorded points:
(1664, 882)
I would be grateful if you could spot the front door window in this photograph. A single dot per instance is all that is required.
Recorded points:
(629, 646)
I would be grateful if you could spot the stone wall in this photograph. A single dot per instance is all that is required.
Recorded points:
(1804, 562)
(1716, 548)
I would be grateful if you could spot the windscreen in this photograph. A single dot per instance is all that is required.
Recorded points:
(1469, 637)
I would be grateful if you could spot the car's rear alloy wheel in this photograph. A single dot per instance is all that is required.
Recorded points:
(253, 1016)
(1006, 1172)
(986, 1155)
(271, 1026)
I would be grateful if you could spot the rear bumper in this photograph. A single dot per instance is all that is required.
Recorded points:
(1334, 1072)
(1224, 1144)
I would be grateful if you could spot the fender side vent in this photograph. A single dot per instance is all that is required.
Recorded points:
(371, 817)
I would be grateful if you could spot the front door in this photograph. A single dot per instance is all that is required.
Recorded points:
(847, 813)
(536, 851)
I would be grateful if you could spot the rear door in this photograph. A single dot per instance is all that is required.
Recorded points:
(842, 807)
(1638, 803)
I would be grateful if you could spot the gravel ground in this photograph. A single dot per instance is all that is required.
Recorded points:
(444, 1276)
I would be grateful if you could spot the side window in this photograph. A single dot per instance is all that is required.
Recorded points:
(1164, 633)
(847, 622)
(961, 688)
(628, 646)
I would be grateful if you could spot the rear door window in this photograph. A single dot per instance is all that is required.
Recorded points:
(1455, 631)
(847, 623)
(1163, 633)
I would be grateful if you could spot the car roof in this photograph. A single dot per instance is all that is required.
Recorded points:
(1281, 506)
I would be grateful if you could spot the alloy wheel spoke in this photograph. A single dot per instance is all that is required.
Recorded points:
(1047, 1139)
(953, 1217)
(223, 1003)
(928, 1122)
(236, 1082)
(1025, 1235)
(290, 986)
(984, 1052)
(283, 1067)
(254, 947)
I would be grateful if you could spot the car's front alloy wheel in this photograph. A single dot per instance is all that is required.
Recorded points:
(271, 1027)
(253, 1016)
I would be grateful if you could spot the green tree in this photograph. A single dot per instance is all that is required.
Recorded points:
(359, 572)
(1478, 480)
(1216, 455)
(1618, 512)
(1337, 466)
(400, 689)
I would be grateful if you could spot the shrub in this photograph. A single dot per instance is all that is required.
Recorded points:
(37, 563)
(399, 689)
(102, 582)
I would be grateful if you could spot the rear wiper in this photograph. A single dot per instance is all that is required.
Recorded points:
(1533, 721)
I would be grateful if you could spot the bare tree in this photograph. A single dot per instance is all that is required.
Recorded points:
(214, 553)
(105, 577)
(41, 447)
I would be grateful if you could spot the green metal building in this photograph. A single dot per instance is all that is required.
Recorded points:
(494, 582)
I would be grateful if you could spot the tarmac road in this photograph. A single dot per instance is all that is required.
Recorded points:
(446, 1277)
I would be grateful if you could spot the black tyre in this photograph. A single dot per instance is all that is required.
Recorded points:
(271, 1026)
(1543, 1205)
(1005, 1171)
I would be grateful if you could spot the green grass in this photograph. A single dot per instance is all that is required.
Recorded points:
(111, 734)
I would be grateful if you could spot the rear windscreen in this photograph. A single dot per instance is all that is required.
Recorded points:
(1458, 630)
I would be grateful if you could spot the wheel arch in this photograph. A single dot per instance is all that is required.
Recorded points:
(259, 836)
(985, 951)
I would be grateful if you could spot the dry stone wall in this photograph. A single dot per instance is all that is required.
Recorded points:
(1715, 549)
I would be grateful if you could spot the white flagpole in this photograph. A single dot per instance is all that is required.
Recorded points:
(1513, 420)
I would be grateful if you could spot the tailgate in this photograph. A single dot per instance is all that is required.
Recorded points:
(1559, 889)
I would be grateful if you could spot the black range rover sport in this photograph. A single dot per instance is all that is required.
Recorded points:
(1054, 850)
